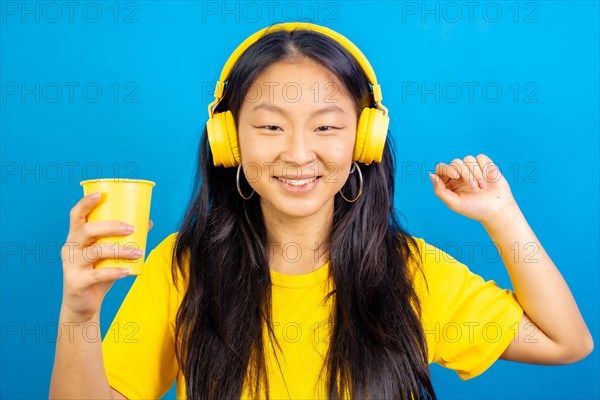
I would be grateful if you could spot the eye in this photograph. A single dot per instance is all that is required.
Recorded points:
(268, 127)
(326, 128)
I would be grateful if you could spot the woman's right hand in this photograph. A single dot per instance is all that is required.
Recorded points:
(84, 286)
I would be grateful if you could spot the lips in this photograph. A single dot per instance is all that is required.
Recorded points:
(298, 180)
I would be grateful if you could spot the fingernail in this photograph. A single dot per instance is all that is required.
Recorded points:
(95, 195)
(129, 228)
(137, 253)
(482, 183)
(124, 271)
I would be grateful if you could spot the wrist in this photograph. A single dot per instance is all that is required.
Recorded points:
(502, 218)
(70, 316)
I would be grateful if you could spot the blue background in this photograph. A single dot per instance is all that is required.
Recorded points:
(164, 58)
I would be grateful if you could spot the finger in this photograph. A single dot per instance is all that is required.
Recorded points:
(491, 172)
(464, 172)
(446, 195)
(110, 251)
(92, 231)
(76, 259)
(99, 275)
(446, 172)
(80, 211)
(150, 224)
(476, 172)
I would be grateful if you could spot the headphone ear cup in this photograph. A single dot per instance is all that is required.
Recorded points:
(379, 125)
(233, 150)
(215, 139)
(361, 134)
(222, 137)
(370, 135)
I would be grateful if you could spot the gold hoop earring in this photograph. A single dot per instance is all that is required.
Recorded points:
(237, 184)
(360, 179)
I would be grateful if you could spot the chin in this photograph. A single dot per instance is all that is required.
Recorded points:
(296, 208)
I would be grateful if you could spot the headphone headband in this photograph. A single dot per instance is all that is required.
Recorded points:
(289, 26)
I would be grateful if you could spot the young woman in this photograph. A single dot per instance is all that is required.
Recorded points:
(290, 276)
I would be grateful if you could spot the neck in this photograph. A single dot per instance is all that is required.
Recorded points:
(297, 245)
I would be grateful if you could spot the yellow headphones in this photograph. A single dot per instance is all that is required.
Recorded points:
(372, 124)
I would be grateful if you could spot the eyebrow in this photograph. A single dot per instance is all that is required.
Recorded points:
(274, 108)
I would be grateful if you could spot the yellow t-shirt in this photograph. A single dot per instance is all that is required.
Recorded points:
(469, 322)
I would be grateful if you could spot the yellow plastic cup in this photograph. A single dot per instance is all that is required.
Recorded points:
(126, 200)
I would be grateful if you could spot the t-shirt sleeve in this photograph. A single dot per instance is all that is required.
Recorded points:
(468, 321)
(138, 348)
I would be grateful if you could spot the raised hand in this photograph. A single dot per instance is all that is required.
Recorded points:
(84, 286)
(473, 187)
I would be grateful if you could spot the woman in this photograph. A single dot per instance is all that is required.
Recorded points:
(290, 276)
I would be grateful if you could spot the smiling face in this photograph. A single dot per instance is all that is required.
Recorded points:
(297, 127)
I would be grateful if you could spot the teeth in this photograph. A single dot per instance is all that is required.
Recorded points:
(297, 182)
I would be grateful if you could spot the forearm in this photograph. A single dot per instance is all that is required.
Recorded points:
(78, 371)
(539, 286)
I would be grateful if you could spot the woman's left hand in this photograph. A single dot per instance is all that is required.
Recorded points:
(473, 187)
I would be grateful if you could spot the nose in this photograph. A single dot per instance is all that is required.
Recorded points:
(299, 149)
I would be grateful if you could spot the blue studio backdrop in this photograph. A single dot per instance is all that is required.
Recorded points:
(120, 89)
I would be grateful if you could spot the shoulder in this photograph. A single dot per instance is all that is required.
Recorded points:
(432, 259)
(159, 263)
(165, 248)
(434, 271)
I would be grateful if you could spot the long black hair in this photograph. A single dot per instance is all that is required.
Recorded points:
(377, 347)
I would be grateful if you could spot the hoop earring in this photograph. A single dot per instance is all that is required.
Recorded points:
(237, 184)
(360, 179)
